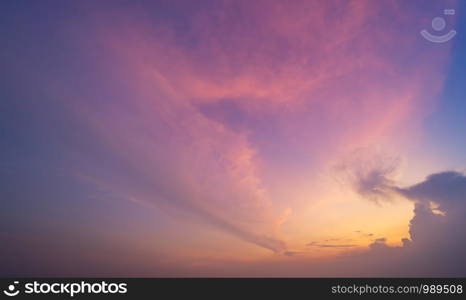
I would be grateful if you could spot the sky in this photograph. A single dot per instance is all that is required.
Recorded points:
(232, 139)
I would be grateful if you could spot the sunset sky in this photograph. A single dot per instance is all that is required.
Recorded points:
(232, 138)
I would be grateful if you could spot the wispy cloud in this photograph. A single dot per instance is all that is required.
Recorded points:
(327, 245)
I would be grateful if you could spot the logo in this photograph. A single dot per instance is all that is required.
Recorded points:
(439, 24)
(11, 290)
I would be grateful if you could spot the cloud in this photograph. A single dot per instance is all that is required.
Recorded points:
(360, 232)
(435, 249)
(206, 119)
(185, 123)
(370, 172)
(291, 253)
(335, 246)
(437, 236)
(218, 107)
(448, 189)
(322, 245)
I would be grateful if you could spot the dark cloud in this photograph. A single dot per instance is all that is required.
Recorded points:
(336, 246)
(315, 244)
(371, 174)
(291, 253)
(364, 233)
(448, 189)
(437, 230)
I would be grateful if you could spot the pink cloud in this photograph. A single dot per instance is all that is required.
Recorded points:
(334, 75)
